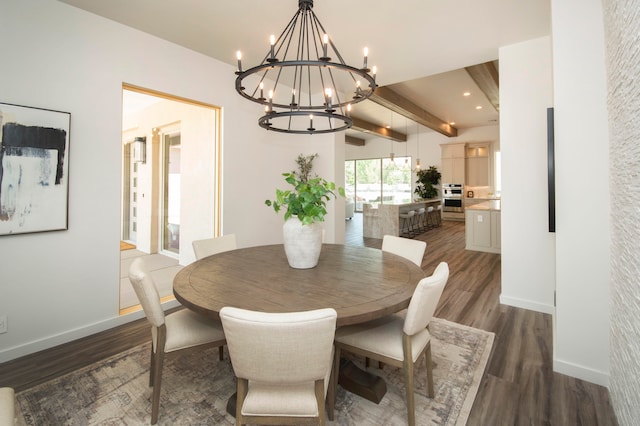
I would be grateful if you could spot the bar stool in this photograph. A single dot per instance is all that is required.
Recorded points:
(439, 215)
(407, 223)
(421, 219)
(431, 219)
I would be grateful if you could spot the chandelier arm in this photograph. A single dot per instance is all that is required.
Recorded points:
(283, 64)
(279, 42)
(266, 122)
(288, 37)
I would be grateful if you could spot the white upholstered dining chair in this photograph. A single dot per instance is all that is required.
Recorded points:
(182, 329)
(7, 407)
(412, 250)
(282, 362)
(211, 246)
(399, 340)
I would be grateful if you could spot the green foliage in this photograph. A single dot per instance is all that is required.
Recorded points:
(427, 179)
(309, 196)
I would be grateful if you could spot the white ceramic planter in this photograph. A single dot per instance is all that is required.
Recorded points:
(302, 243)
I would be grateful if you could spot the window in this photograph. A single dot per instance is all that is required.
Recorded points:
(378, 180)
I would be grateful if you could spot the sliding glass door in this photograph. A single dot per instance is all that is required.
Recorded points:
(378, 180)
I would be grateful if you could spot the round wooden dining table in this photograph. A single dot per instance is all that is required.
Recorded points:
(360, 283)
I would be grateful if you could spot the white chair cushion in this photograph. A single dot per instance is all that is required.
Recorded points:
(7, 407)
(425, 299)
(382, 336)
(273, 400)
(412, 250)
(146, 291)
(211, 246)
(257, 339)
(186, 329)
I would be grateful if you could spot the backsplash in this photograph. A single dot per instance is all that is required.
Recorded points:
(480, 191)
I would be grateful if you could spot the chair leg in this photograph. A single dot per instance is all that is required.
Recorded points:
(221, 353)
(319, 388)
(157, 374)
(335, 375)
(331, 389)
(429, 365)
(241, 391)
(152, 367)
(408, 372)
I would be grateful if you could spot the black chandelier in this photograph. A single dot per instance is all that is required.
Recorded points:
(303, 90)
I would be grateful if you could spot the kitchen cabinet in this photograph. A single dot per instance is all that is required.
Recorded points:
(495, 230)
(453, 163)
(482, 227)
(477, 164)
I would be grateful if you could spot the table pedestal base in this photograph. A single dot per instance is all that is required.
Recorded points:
(359, 382)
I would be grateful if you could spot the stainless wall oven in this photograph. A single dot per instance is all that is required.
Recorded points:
(452, 197)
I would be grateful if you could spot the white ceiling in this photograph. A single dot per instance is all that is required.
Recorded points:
(419, 46)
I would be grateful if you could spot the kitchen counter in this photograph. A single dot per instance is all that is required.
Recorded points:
(384, 219)
(482, 227)
(490, 204)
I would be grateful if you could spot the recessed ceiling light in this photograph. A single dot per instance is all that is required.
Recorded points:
(387, 126)
(452, 123)
(479, 107)
(466, 94)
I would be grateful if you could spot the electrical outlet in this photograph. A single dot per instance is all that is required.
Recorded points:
(3, 324)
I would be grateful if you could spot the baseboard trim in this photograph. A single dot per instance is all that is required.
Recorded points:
(580, 372)
(526, 304)
(75, 334)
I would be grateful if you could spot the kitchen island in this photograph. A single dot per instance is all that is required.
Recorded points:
(482, 226)
(384, 219)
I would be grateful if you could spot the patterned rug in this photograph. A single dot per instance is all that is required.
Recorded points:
(196, 387)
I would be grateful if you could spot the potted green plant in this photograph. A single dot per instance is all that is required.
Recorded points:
(305, 205)
(427, 181)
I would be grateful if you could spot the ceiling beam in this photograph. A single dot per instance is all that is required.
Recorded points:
(353, 140)
(398, 104)
(367, 127)
(486, 77)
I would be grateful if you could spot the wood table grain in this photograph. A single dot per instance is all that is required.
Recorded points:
(360, 283)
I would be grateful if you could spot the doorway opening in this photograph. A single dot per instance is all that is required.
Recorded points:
(171, 167)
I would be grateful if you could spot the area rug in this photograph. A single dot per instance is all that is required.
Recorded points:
(196, 387)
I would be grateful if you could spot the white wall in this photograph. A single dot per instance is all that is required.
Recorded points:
(583, 270)
(59, 286)
(622, 26)
(528, 251)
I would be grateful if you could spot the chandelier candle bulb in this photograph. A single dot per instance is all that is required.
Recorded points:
(325, 40)
(239, 56)
(261, 90)
(273, 42)
(366, 54)
(374, 70)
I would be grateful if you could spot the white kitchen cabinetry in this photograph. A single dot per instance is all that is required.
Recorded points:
(453, 163)
(477, 172)
(482, 227)
(495, 230)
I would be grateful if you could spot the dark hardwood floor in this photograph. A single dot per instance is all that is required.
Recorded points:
(519, 386)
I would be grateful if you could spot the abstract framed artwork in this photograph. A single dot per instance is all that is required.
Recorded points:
(34, 169)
